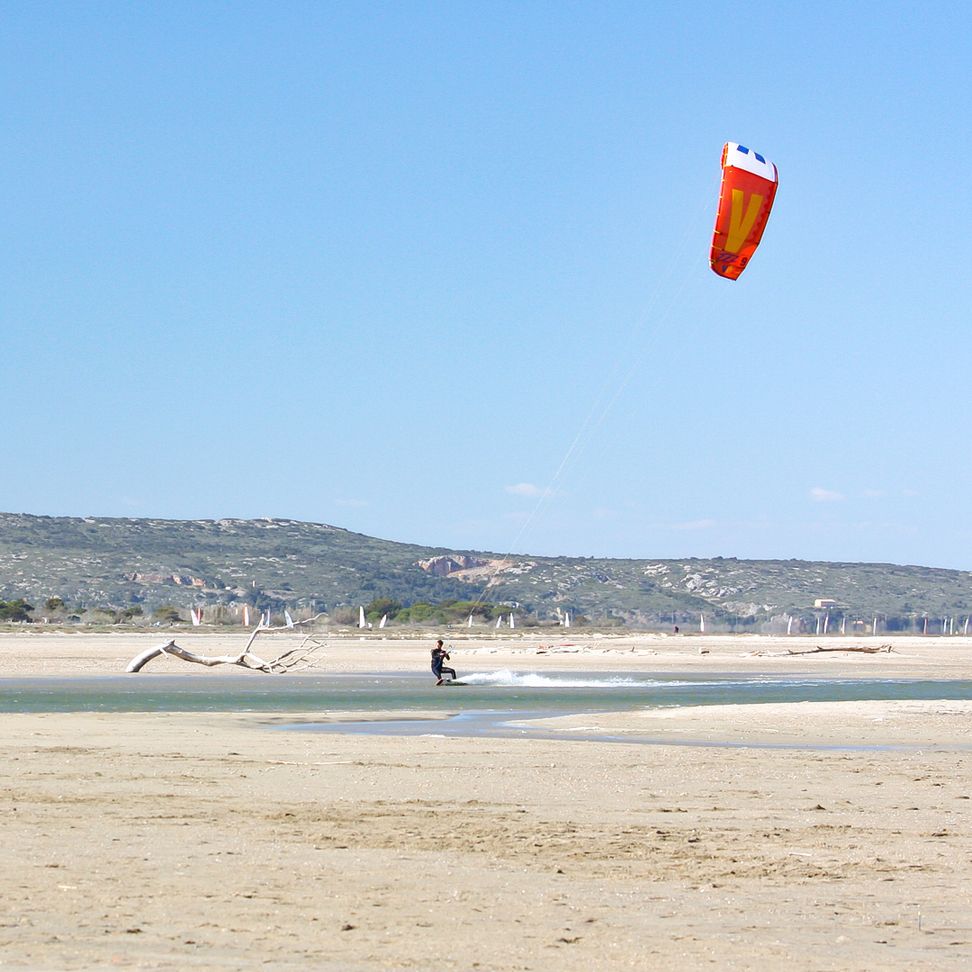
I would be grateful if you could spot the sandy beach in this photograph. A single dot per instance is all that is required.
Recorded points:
(215, 841)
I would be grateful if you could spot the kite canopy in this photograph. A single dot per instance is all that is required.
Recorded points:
(748, 189)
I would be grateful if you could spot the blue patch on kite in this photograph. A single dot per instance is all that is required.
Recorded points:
(743, 149)
(759, 158)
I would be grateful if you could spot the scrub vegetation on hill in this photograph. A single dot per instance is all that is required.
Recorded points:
(142, 571)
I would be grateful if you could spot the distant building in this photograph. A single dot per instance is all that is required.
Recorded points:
(825, 602)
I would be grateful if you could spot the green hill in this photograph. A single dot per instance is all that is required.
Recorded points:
(130, 564)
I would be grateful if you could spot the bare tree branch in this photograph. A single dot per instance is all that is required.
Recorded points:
(294, 659)
(863, 649)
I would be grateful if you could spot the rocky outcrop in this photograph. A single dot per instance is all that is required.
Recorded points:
(179, 580)
(446, 564)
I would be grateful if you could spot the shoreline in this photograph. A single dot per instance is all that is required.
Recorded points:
(898, 725)
(74, 653)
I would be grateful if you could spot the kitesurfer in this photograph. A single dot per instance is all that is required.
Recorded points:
(440, 655)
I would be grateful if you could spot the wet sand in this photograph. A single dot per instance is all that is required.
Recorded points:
(212, 841)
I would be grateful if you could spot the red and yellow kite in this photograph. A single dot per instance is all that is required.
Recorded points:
(748, 189)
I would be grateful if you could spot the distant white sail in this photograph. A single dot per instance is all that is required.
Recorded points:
(384, 619)
(361, 618)
(567, 619)
(512, 622)
(288, 618)
(701, 624)
(246, 616)
(789, 623)
(499, 620)
(196, 618)
(469, 621)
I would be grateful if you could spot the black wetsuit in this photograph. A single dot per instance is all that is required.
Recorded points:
(439, 655)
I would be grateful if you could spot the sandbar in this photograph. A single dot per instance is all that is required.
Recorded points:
(216, 841)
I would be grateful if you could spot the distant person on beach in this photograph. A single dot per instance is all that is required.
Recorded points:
(440, 655)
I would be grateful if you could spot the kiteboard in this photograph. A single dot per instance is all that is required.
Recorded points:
(451, 681)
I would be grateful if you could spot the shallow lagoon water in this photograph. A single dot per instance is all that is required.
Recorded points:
(491, 704)
(504, 691)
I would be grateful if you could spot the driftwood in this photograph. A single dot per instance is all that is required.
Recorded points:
(862, 649)
(304, 656)
(865, 649)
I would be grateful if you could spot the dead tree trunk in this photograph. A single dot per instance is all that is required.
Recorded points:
(865, 649)
(304, 656)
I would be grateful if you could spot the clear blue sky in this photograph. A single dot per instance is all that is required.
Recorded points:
(437, 272)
